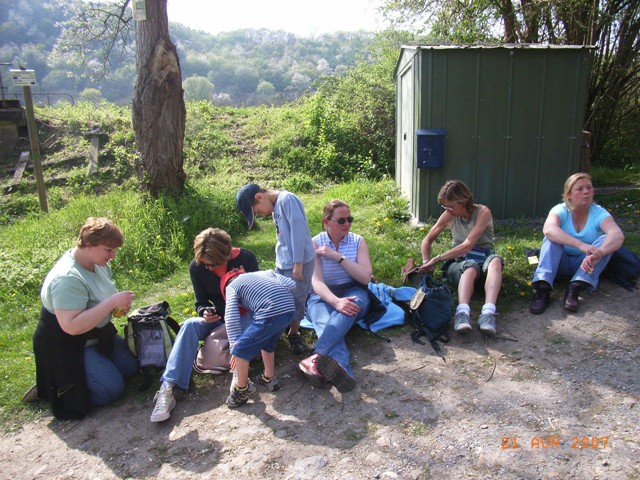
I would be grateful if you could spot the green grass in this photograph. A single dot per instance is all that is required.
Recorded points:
(159, 232)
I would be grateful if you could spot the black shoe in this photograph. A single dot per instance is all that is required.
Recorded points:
(571, 300)
(541, 298)
(333, 372)
(296, 344)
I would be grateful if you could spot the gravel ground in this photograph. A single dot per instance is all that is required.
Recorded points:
(560, 402)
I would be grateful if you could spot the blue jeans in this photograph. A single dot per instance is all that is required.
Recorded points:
(261, 335)
(180, 361)
(106, 373)
(555, 263)
(332, 326)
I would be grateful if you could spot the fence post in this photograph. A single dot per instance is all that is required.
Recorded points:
(35, 149)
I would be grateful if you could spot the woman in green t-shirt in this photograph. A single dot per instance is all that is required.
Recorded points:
(80, 359)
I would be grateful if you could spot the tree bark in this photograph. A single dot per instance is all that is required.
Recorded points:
(158, 111)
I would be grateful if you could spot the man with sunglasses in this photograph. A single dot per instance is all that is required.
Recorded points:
(214, 256)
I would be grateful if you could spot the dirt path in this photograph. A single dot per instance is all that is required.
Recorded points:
(570, 379)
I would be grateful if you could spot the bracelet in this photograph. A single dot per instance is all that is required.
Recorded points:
(342, 259)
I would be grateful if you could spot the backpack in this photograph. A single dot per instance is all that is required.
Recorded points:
(430, 312)
(149, 335)
(214, 355)
(623, 268)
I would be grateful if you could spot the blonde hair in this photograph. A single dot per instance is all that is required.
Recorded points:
(456, 191)
(569, 184)
(330, 207)
(99, 231)
(214, 244)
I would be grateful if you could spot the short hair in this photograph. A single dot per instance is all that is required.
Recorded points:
(456, 191)
(99, 231)
(568, 185)
(260, 190)
(330, 207)
(214, 244)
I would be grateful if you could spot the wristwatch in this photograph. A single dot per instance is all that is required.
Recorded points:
(342, 259)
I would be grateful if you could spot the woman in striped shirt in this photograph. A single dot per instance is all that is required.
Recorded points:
(339, 298)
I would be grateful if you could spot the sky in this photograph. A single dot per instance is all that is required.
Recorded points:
(301, 17)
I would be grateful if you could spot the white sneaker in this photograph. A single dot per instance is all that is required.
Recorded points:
(165, 402)
(487, 323)
(462, 322)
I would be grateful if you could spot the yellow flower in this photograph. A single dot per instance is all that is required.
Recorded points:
(529, 283)
(194, 313)
(186, 310)
(522, 294)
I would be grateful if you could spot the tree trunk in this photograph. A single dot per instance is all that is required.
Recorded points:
(158, 103)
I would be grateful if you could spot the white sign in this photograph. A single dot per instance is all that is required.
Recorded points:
(139, 8)
(23, 78)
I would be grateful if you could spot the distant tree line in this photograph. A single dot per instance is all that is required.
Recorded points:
(238, 68)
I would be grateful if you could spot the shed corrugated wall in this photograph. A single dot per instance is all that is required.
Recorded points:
(513, 119)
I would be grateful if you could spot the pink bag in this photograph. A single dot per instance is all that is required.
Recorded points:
(214, 356)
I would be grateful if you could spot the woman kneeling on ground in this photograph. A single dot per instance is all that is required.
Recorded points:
(80, 359)
(579, 238)
(340, 296)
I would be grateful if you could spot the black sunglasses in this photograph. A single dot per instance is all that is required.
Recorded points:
(342, 220)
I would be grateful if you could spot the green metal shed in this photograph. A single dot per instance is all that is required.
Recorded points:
(507, 120)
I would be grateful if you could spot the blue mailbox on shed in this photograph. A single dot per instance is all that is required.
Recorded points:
(430, 144)
(507, 120)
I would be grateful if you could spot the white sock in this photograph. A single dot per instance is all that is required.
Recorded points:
(463, 307)
(488, 308)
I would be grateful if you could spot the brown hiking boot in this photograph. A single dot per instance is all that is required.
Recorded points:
(333, 372)
(571, 300)
(541, 297)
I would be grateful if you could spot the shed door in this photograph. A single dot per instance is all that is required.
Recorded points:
(406, 139)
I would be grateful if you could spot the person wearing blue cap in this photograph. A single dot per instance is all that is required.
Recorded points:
(295, 255)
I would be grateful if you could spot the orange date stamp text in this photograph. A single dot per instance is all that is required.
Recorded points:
(556, 442)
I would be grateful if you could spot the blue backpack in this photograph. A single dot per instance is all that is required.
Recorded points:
(623, 268)
(430, 313)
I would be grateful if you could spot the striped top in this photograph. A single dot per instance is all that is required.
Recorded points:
(332, 272)
(265, 294)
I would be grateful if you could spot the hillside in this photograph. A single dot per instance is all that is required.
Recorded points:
(246, 67)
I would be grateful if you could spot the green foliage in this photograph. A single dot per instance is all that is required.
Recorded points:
(91, 95)
(207, 140)
(346, 129)
(75, 45)
(197, 88)
(603, 175)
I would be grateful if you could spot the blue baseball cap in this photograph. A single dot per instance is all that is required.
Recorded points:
(244, 201)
